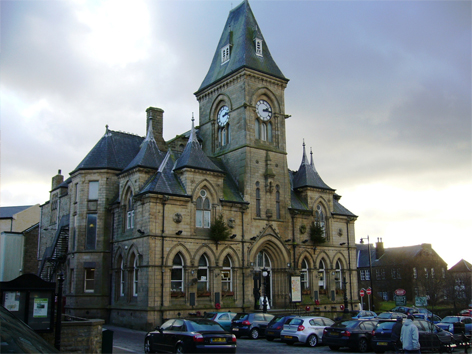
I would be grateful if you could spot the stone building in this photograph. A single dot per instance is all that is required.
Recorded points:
(132, 228)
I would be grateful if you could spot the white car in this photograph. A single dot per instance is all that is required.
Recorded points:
(307, 330)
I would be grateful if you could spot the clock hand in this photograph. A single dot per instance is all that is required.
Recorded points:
(266, 110)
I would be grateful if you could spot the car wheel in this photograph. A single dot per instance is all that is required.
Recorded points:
(270, 339)
(312, 340)
(179, 349)
(363, 345)
(147, 346)
(254, 333)
(334, 347)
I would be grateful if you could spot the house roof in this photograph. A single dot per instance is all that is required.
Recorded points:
(240, 32)
(462, 267)
(10, 211)
(114, 151)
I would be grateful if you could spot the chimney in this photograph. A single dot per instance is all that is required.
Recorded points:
(57, 180)
(157, 120)
(379, 248)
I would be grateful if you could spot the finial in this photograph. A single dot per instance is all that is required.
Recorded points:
(311, 157)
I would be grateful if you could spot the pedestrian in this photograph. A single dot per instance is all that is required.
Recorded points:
(410, 337)
(396, 332)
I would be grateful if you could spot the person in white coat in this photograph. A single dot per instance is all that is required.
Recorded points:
(410, 337)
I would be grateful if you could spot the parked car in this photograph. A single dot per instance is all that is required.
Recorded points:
(307, 330)
(223, 318)
(17, 337)
(391, 315)
(424, 316)
(456, 324)
(252, 325)
(365, 314)
(467, 312)
(355, 334)
(276, 325)
(197, 335)
(410, 310)
(432, 338)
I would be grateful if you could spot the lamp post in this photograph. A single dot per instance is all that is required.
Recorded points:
(265, 274)
(370, 267)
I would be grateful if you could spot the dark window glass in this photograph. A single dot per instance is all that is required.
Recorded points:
(91, 238)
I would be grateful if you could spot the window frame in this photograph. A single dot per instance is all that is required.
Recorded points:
(88, 280)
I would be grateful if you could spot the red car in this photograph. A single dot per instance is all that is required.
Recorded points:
(467, 313)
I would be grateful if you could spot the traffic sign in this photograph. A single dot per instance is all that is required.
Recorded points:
(361, 293)
(400, 292)
(369, 291)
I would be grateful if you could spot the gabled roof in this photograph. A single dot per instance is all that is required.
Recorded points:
(114, 151)
(194, 157)
(149, 155)
(10, 211)
(239, 32)
(307, 176)
(462, 267)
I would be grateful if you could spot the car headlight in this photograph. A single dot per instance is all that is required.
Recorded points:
(451, 328)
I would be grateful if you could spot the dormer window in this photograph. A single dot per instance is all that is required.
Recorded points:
(225, 54)
(258, 44)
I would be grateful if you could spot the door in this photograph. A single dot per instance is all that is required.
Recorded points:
(264, 265)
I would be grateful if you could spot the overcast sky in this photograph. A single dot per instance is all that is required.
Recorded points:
(380, 90)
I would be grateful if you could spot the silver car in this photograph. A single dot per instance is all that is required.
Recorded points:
(307, 330)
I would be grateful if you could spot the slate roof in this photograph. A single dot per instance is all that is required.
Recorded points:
(240, 30)
(114, 151)
(339, 209)
(307, 176)
(149, 155)
(10, 211)
(462, 267)
(363, 255)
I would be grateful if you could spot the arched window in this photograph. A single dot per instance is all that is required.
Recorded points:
(177, 276)
(304, 276)
(202, 274)
(135, 276)
(122, 277)
(227, 275)
(277, 201)
(263, 260)
(269, 131)
(320, 218)
(258, 129)
(338, 275)
(224, 135)
(258, 200)
(130, 211)
(264, 131)
(322, 275)
(203, 210)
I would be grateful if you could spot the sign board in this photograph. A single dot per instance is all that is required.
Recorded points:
(295, 288)
(369, 291)
(400, 300)
(400, 292)
(421, 301)
(361, 293)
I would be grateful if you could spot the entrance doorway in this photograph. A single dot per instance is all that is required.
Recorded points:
(262, 280)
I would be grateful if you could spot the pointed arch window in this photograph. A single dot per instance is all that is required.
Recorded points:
(227, 275)
(122, 277)
(321, 218)
(135, 276)
(338, 275)
(258, 200)
(304, 276)
(263, 260)
(224, 135)
(177, 276)
(203, 210)
(203, 275)
(322, 275)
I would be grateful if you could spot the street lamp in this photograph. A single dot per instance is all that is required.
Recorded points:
(265, 274)
(370, 267)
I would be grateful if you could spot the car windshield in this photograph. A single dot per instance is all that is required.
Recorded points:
(450, 319)
(209, 315)
(240, 316)
(384, 325)
(385, 315)
(346, 324)
(204, 325)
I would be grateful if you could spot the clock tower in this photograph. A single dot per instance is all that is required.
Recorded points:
(242, 113)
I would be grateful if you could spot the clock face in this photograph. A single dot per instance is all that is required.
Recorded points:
(223, 116)
(263, 109)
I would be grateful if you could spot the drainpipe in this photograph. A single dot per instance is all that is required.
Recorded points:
(243, 208)
(349, 260)
(165, 198)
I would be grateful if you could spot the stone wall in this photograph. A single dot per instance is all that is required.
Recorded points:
(79, 336)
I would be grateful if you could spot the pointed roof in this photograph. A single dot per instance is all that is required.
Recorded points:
(149, 155)
(462, 267)
(307, 176)
(115, 150)
(194, 157)
(240, 31)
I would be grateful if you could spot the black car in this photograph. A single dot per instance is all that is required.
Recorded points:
(252, 325)
(190, 336)
(355, 334)
(276, 325)
(432, 338)
(391, 315)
